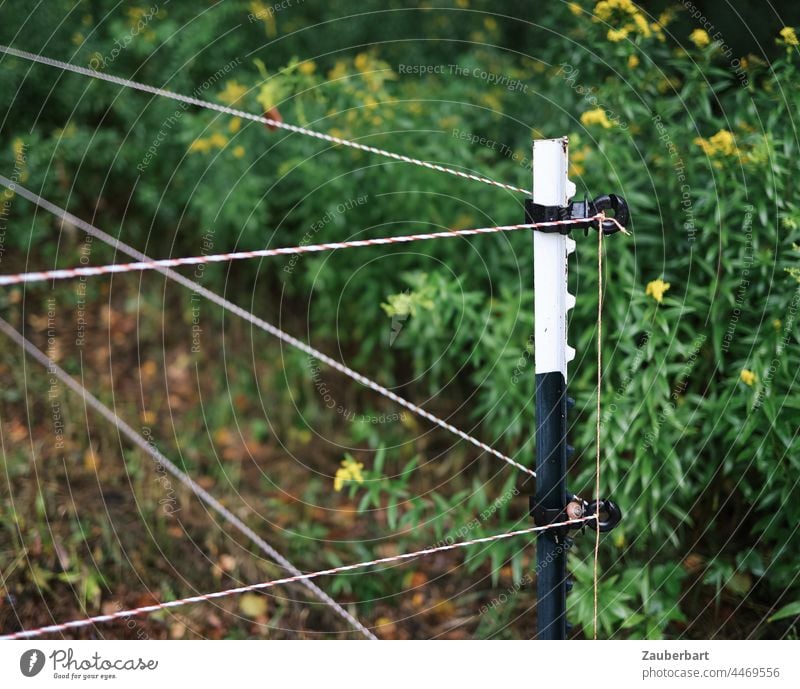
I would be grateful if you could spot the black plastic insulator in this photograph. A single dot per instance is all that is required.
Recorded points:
(611, 202)
(580, 210)
(608, 515)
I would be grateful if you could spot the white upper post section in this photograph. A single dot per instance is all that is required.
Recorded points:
(551, 299)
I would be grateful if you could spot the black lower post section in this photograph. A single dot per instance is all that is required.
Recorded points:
(551, 493)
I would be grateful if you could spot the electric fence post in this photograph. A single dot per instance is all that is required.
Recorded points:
(552, 502)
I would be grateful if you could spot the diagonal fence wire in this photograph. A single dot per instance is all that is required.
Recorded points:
(279, 124)
(180, 475)
(260, 323)
(204, 597)
(116, 268)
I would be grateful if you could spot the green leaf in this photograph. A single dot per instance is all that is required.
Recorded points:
(790, 610)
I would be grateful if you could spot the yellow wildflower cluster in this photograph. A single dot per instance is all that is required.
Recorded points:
(274, 88)
(627, 19)
(364, 81)
(722, 143)
(617, 35)
(339, 71)
(232, 93)
(789, 36)
(350, 470)
(656, 289)
(748, 377)
(605, 9)
(308, 67)
(209, 143)
(596, 116)
(576, 159)
(633, 61)
(373, 71)
(490, 24)
(700, 38)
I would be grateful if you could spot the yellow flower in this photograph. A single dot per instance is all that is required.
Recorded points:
(789, 36)
(350, 470)
(200, 146)
(308, 67)
(596, 116)
(617, 35)
(361, 62)
(642, 25)
(604, 9)
(777, 324)
(339, 71)
(748, 377)
(722, 143)
(666, 17)
(576, 158)
(232, 92)
(271, 93)
(218, 140)
(575, 8)
(238, 152)
(700, 38)
(633, 61)
(235, 125)
(491, 101)
(656, 289)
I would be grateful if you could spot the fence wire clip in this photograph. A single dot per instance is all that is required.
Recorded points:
(607, 512)
(578, 210)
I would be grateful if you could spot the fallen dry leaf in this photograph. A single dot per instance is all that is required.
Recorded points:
(177, 630)
(91, 460)
(227, 563)
(253, 605)
(385, 628)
